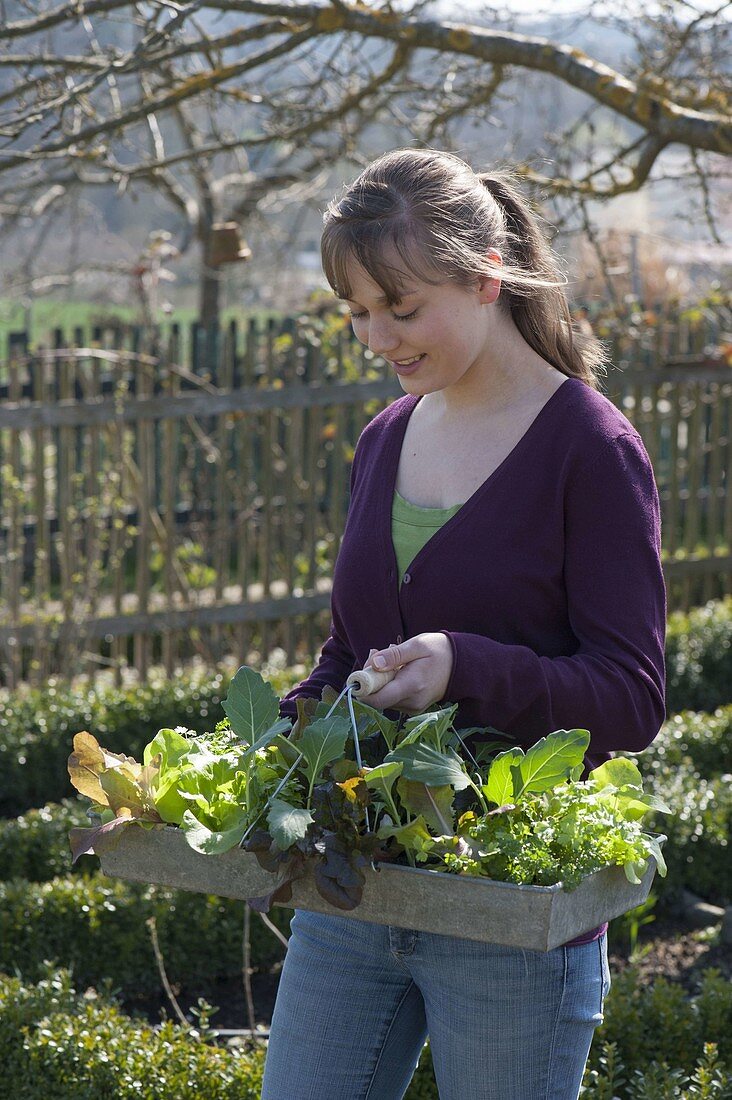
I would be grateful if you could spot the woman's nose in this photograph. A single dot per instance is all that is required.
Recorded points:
(382, 337)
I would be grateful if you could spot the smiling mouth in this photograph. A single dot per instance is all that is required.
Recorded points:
(408, 364)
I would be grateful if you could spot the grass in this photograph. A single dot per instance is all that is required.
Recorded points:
(48, 314)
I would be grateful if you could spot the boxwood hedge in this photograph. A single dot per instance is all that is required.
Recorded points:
(691, 739)
(661, 1023)
(97, 926)
(698, 849)
(35, 846)
(699, 658)
(56, 1043)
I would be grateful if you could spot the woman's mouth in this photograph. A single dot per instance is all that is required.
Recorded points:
(408, 366)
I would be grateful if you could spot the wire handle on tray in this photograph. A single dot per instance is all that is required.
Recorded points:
(348, 691)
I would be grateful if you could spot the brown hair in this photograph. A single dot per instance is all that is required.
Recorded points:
(441, 218)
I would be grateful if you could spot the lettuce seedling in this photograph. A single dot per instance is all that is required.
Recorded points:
(519, 816)
(212, 786)
(121, 791)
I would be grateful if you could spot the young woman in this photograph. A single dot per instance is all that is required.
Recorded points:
(502, 552)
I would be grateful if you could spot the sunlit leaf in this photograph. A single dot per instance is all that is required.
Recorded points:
(250, 705)
(427, 765)
(322, 742)
(85, 764)
(382, 778)
(414, 837)
(287, 824)
(433, 728)
(618, 772)
(551, 760)
(89, 761)
(170, 745)
(350, 787)
(123, 792)
(499, 787)
(212, 841)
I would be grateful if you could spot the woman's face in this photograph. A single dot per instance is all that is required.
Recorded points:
(432, 337)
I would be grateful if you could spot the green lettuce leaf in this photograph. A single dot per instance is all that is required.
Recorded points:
(287, 824)
(618, 772)
(212, 841)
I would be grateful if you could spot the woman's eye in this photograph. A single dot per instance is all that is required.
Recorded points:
(396, 316)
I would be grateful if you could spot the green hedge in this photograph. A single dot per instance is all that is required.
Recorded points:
(37, 727)
(661, 1024)
(698, 848)
(699, 658)
(708, 1080)
(689, 765)
(691, 738)
(35, 846)
(97, 927)
(59, 1045)
(55, 1043)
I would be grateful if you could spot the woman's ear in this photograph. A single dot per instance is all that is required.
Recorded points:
(489, 286)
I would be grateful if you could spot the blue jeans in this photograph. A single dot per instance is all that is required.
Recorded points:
(357, 1000)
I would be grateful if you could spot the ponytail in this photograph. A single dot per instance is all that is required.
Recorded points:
(539, 306)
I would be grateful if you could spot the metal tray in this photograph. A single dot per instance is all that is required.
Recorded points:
(538, 918)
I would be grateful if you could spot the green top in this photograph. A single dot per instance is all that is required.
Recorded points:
(412, 527)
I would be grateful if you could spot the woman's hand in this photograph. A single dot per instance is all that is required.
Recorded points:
(424, 665)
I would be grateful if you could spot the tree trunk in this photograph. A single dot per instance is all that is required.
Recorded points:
(210, 279)
(210, 287)
(206, 353)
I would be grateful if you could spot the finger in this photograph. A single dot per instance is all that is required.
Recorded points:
(398, 694)
(393, 657)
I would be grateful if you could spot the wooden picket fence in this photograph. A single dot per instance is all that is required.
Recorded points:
(179, 497)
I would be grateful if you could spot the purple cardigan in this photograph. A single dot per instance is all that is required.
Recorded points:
(547, 581)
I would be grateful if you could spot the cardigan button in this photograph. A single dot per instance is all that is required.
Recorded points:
(399, 639)
(406, 579)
